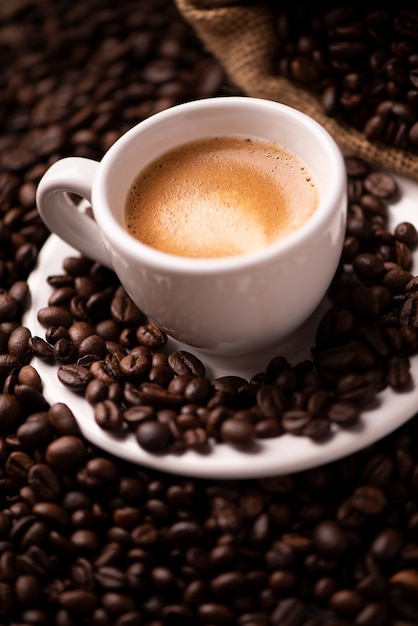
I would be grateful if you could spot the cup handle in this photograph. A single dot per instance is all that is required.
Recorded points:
(62, 214)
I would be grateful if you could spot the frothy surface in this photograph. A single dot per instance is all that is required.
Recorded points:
(220, 197)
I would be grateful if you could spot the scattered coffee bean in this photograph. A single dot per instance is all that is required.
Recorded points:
(66, 452)
(108, 415)
(154, 436)
(407, 233)
(11, 413)
(75, 377)
(237, 432)
(183, 362)
(55, 316)
(62, 420)
(8, 307)
(151, 336)
(85, 537)
(35, 431)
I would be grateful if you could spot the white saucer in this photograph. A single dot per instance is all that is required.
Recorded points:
(281, 455)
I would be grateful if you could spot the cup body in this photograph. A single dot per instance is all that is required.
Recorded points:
(226, 306)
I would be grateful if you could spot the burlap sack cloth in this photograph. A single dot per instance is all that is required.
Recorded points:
(242, 37)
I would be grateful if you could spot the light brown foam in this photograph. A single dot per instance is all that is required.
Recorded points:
(220, 197)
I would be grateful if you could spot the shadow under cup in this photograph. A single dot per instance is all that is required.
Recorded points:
(233, 305)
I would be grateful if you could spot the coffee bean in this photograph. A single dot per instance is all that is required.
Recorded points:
(18, 344)
(346, 602)
(78, 602)
(74, 376)
(106, 369)
(375, 97)
(124, 311)
(350, 357)
(387, 544)
(154, 436)
(30, 398)
(41, 349)
(11, 413)
(399, 374)
(396, 280)
(214, 613)
(151, 336)
(269, 428)
(403, 255)
(110, 578)
(368, 266)
(66, 452)
(369, 500)
(198, 390)
(271, 401)
(96, 391)
(77, 266)
(28, 590)
(78, 308)
(381, 184)
(373, 613)
(408, 315)
(51, 513)
(80, 330)
(108, 415)
(183, 362)
(92, 345)
(330, 539)
(29, 376)
(328, 543)
(407, 233)
(406, 579)
(62, 419)
(61, 296)
(64, 351)
(54, 316)
(55, 333)
(44, 481)
(160, 374)
(134, 367)
(345, 412)
(35, 431)
(8, 307)
(295, 421)
(373, 301)
(158, 397)
(288, 611)
(102, 470)
(8, 364)
(237, 432)
(18, 465)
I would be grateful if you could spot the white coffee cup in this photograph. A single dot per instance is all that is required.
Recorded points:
(229, 306)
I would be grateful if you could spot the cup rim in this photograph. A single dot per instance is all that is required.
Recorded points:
(115, 232)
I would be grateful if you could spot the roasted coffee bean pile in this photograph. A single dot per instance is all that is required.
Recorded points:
(74, 78)
(107, 350)
(360, 59)
(88, 539)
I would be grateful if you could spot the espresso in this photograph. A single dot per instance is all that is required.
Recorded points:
(220, 197)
